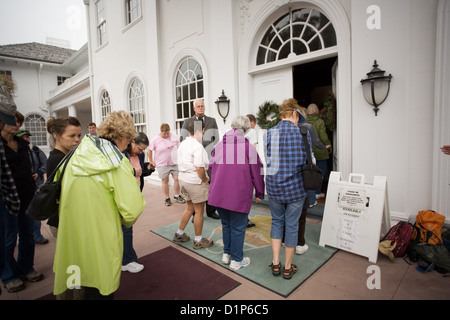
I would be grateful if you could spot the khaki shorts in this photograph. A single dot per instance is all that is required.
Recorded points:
(196, 193)
(165, 171)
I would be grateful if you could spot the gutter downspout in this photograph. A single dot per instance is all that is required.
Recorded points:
(41, 100)
(91, 72)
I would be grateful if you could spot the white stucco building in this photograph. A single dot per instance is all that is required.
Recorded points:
(50, 81)
(154, 57)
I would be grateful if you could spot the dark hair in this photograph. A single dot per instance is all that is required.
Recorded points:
(20, 118)
(141, 139)
(92, 124)
(195, 125)
(59, 125)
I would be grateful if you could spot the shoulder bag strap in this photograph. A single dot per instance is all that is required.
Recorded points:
(61, 163)
(303, 131)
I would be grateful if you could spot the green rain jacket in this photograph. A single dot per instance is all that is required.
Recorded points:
(319, 126)
(99, 194)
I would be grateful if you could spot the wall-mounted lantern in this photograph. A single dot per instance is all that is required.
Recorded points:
(223, 106)
(376, 87)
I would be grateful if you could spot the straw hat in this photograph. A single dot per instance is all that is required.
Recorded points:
(386, 248)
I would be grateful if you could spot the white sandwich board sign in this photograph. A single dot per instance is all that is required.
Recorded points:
(355, 214)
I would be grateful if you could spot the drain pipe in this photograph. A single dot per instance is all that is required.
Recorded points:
(41, 105)
(91, 72)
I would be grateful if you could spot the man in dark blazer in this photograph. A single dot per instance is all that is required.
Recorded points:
(210, 139)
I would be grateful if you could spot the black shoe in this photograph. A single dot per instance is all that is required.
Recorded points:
(250, 224)
(42, 241)
(214, 216)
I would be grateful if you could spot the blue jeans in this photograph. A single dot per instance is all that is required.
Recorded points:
(23, 226)
(285, 216)
(37, 235)
(234, 225)
(129, 255)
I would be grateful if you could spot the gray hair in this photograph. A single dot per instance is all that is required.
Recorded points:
(241, 122)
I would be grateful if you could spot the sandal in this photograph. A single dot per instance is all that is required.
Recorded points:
(276, 268)
(287, 273)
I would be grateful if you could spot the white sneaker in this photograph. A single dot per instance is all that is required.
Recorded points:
(226, 258)
(235, 265)
(301, 249)
(313, 205)
(322, 195)
(133, 267)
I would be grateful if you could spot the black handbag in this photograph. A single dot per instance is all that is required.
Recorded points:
(312, 174)
(45, 203)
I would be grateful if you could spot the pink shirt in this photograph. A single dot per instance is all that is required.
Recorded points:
(165, 150)
(136, 164)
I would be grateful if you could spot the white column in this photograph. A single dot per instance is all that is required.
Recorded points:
(72, 111)
(441, 162)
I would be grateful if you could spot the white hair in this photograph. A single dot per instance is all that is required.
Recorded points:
(241, 122)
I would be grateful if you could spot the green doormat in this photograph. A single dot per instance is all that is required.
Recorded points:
(257, 247)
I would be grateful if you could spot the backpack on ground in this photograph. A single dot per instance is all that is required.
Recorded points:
(428, 227)
(446, 239)
(401, 234)
(426, 254)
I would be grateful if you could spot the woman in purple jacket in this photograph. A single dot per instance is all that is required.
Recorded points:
(235, 170)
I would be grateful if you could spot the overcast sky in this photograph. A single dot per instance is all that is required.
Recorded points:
(25, 21)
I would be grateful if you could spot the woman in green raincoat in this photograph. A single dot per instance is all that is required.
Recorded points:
(99, 194)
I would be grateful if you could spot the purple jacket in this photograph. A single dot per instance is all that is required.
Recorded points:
(235, 170)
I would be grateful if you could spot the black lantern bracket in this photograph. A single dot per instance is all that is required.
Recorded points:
(376, 87)
(223, 106)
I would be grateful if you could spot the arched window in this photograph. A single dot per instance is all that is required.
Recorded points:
(188, 87)
(136, 105)
(35, 124)
(105, 104)
(299, 32)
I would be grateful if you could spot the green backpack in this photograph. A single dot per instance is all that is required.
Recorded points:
(428, 253)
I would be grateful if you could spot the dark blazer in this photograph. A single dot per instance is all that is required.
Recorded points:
(210, 137)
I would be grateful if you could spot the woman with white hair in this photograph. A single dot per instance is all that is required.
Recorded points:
(236, 170)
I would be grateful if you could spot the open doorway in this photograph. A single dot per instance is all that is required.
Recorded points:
(313, 83)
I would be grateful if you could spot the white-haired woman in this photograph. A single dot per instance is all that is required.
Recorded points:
(236, 170)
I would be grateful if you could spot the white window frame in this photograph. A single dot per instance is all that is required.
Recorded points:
(272, 55)
(133, 11)
(105, 104)
(188, 77)
(36, 125)
(102, 32)
(136, 104)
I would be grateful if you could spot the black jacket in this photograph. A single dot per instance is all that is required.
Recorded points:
(22, 171)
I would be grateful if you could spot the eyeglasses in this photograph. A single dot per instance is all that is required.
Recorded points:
(140, 149)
